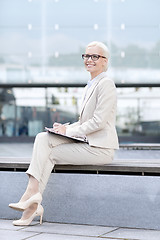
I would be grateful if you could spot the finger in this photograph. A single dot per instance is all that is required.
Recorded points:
(56, 124)
(55, 128)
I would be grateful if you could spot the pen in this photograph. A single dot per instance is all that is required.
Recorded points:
(65, 124)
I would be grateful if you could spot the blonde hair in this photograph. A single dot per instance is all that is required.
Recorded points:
(104, 49)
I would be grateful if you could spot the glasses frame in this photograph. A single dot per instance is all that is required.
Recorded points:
(87, 56)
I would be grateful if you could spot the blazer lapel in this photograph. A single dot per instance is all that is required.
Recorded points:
(84, 94)
(88, 94)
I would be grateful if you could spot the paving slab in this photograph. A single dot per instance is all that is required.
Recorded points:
(7, 225)
(25, 150)
(16, 149)
(16, 235)
(71, 229)
(45, 236)
(137, 234)
(58, 231)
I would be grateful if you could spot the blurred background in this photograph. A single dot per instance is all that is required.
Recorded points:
(42, 74)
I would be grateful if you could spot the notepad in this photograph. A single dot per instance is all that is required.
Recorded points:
(77, 139)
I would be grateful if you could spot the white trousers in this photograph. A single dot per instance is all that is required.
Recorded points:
(50, 149)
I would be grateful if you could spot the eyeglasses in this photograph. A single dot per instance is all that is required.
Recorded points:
(94, 57)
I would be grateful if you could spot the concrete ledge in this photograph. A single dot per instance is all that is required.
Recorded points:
(118, 194)
(122, 166)
(112, 200)
(140, 146)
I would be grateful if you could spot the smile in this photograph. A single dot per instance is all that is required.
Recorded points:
(90, 65)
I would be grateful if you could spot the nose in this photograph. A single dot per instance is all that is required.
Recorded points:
(89, 59)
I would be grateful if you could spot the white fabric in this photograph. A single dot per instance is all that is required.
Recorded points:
(50, 149)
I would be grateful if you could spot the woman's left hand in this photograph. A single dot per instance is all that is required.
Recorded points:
(59, 128)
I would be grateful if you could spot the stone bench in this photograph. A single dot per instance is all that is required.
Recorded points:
(125, 193)
(119, 166)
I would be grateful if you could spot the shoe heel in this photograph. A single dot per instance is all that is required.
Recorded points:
(40, 211)
(41, 219)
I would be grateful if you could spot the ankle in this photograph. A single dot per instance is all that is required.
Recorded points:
(28, 193)
(32, 191)
(33, 207)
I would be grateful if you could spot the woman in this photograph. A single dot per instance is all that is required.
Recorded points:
(96, 124)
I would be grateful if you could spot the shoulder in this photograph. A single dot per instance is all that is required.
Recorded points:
(106, 82)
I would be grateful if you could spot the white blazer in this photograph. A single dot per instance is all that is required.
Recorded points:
(97, 115)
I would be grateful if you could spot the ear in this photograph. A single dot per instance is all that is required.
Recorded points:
(105, 61)
(105, 64)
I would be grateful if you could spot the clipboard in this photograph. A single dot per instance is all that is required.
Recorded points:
(76, 139)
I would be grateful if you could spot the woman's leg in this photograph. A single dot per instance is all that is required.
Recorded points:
(41, 164)
(81, 154)
(40, 167)
(32, 188)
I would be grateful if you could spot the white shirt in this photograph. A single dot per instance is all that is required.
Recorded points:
(91, 81)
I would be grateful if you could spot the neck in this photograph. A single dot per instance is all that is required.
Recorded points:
(93, 75)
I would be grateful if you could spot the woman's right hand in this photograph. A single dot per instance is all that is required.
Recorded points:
(59, 128)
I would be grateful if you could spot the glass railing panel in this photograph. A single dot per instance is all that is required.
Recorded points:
(26, 111)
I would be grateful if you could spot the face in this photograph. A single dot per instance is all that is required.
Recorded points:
(95, 67)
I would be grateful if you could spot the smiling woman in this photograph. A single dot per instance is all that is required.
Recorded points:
(96, 126)
(96, 58)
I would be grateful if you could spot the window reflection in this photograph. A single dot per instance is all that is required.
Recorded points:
(44, 41)
(25, 112)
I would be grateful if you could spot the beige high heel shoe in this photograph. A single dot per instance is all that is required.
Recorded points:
(39, 212)
(21, 206)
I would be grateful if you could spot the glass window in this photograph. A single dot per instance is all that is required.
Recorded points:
(42, 41)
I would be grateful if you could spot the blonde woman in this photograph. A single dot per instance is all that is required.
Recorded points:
(96, 124)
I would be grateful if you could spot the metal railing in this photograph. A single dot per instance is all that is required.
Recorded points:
(74, 85)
